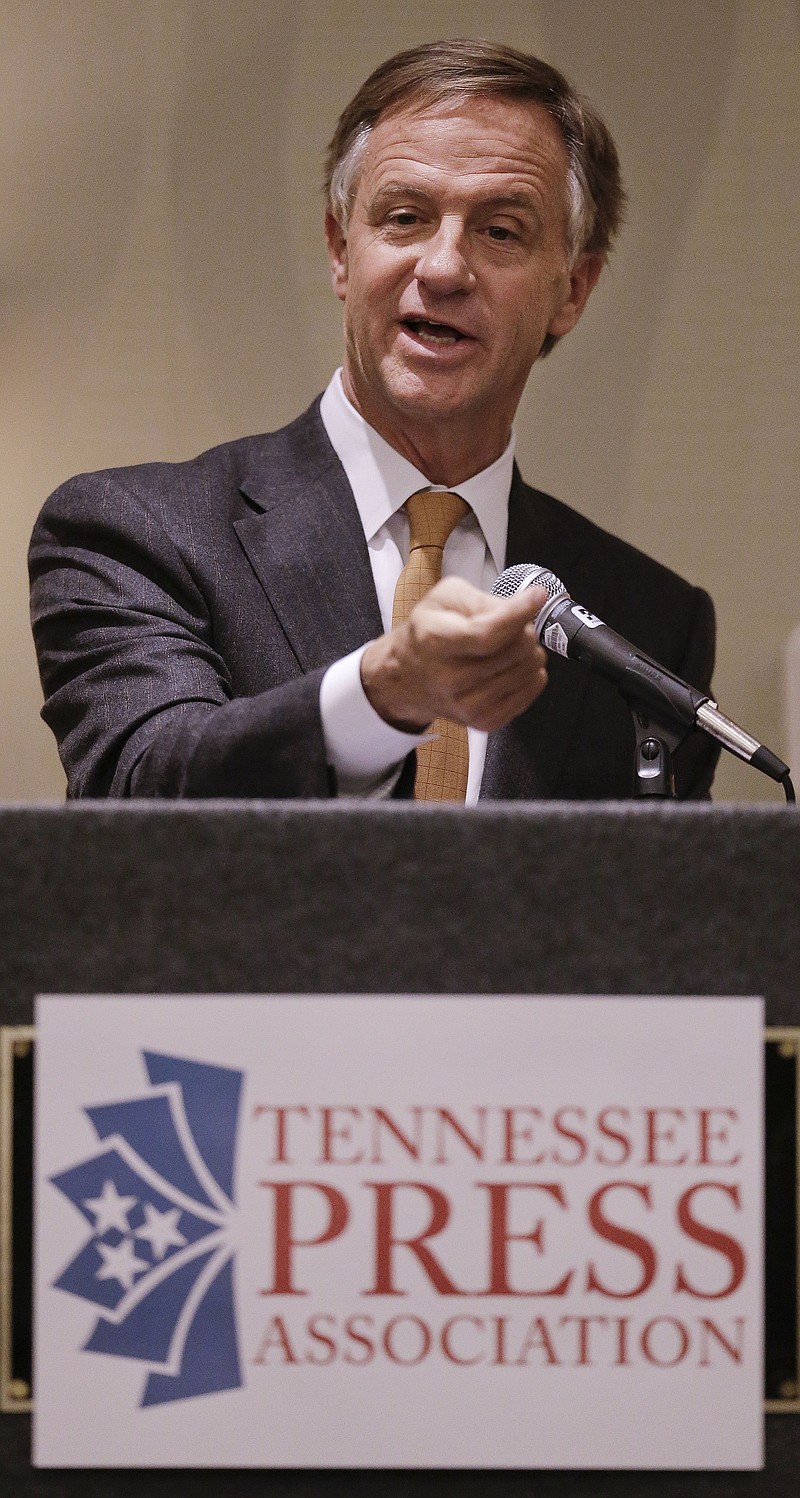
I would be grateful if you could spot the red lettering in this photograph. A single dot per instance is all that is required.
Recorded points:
(730, 1248)
(623, 1140)
(282, 1116)
(412, 1147)
(314, 1328)
(334, 1128)
(622, 1238)
(275, 1335)
(647, 1340)
(537, 1338)
(709, 1329)
(445, 1119)
(657, 1135)
(386, 1240)
(389, 1341)
(500, 1235)
(709, 1136)
(285, 1240)
(360, 1338)
(583, 1324)
(564, 1133)
(500, 1358)
(514, 1132)
(446, 1342)
(621, 1360)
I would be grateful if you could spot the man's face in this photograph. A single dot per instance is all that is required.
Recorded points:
(452, 270)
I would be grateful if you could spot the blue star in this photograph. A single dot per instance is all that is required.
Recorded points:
(161, 1229)
(110, 1210)
(120, 1263)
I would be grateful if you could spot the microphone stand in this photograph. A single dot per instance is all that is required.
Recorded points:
(653, 774)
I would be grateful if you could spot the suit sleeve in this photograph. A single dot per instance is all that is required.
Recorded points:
(136, 692)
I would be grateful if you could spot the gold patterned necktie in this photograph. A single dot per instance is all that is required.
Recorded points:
(443, 762)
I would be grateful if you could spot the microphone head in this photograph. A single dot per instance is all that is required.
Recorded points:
(528, 575)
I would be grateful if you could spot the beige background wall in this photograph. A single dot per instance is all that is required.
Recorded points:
(163, 284)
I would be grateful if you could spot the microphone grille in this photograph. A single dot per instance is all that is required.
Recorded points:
(527, 575)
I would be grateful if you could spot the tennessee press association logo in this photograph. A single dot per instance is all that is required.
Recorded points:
(157, 1195)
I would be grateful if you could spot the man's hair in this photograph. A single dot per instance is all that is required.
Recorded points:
(453, 71)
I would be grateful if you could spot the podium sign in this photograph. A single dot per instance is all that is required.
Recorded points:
(399, 1231)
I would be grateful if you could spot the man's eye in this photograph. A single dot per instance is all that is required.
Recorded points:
(403, 218)
(501, 233)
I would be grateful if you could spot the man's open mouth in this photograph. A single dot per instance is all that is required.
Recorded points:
(433, 332)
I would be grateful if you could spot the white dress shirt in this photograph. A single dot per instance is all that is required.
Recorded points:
(366, 752)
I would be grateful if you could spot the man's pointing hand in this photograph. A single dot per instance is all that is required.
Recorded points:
(461, 654)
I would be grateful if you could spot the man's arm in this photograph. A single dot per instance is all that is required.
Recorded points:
(142, 699)
(138, 695)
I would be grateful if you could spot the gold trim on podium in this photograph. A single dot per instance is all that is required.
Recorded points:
(787, 1038)
(15, 1392)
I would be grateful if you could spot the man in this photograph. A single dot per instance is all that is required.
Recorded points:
(245, 624)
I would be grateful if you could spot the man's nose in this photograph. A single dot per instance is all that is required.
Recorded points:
(444, 261)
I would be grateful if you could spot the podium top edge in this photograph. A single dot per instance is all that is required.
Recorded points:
(349, 806)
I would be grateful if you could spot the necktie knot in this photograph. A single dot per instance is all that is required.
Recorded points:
(432, 515)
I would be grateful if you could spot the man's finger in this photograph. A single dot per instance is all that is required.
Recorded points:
(475, 623)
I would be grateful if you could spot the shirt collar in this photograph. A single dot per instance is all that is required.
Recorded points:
(382, 480)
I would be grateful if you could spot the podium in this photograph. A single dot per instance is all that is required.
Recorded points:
(504, 898)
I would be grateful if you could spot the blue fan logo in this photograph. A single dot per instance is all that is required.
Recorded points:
(157, 1196)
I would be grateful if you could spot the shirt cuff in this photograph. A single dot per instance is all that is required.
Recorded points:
(366, 753)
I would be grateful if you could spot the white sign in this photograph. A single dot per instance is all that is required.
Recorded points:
(399, 1231)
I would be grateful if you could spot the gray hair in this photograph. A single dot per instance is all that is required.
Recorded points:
(347, 171)
(453, 71)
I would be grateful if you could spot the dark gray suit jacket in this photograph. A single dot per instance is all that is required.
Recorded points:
(184, 615)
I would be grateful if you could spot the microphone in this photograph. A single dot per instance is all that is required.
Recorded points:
(567, 628)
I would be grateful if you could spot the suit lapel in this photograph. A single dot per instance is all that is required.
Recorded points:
(306, 545)
(523, 759)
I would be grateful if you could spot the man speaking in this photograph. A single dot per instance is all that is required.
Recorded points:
(309, 612)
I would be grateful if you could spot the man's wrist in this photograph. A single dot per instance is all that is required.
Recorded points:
(380, 672)
(364, 750)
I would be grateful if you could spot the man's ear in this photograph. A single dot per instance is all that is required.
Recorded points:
(584, 276)
(337, 254)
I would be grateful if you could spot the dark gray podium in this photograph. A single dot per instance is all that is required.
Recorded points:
(260, 897)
